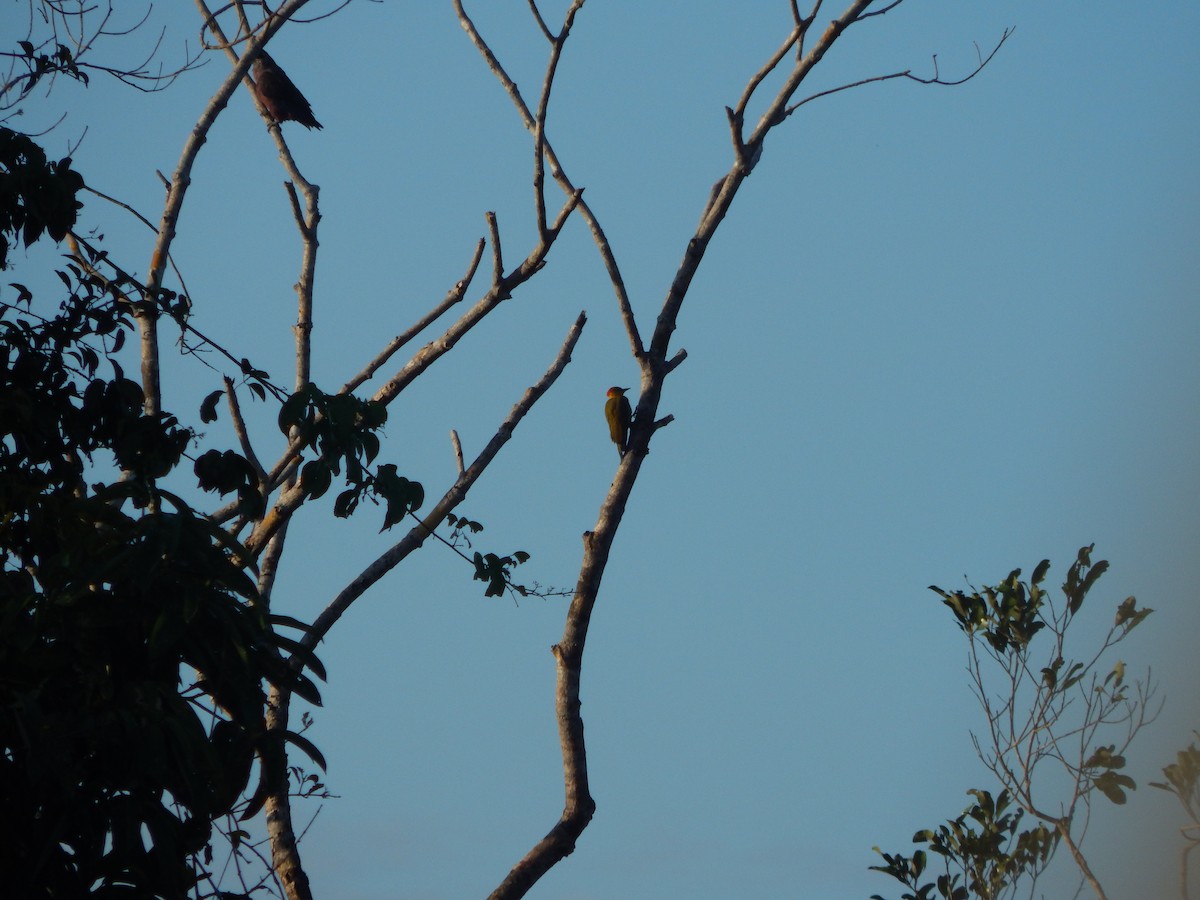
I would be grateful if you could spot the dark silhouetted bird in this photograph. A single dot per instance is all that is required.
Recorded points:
(281, 99)
(618, 413)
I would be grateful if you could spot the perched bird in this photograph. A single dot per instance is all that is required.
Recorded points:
(281, 99)
(618, 413)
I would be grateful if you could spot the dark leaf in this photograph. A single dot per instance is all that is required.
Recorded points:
(1113, 786)
(346, 503)
(307, 746)
(306, 656)
(289, 622)
(208, 409)
(316, 478)
(1039, 572)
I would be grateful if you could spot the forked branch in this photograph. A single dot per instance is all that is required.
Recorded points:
(529, 120)
(655, 362)
(450, 500)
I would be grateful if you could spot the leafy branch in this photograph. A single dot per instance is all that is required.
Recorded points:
(1076, 715)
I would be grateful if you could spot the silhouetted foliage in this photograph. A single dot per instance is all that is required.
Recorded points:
(1183, 780)
(1051, 710)
(36, 196)
(133, 645)
(983, 854)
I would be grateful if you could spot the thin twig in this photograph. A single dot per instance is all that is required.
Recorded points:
(453, 296)
(456, 444)
(455, 495)
(243, 435)
(560, 176)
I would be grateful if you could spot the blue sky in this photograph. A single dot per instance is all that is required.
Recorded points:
(943, 332)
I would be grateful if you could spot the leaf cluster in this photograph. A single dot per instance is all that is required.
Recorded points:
(342, 429)
(58, 411)
(983, 852)
(1183, 780)
(133, 644)
(225, 471)
(1049, 710)
(1100, 770)
(36, 196)
(39, 64)
(496, 572)
(1007, 615)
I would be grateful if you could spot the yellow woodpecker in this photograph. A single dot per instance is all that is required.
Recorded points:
(618, 413)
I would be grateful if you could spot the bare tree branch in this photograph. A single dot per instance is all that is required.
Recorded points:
(243, 435)
(1058, 712)
(497, 253)
(293, 497)
(285, 854)
(537, 15)
(539, 128)
(68, 36)
(881, 11)
(579, 805)
(556, 171)
(453, 296)
(907, 74)
(180, 181)
(454, 496)
(769, 66)
(456, 445)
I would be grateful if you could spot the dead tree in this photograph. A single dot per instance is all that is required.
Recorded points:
(799, 52)
(280, 489)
